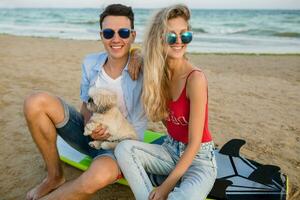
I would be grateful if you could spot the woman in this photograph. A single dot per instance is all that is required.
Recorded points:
(174, 92)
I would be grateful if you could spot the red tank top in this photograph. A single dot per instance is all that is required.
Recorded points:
(178, 120)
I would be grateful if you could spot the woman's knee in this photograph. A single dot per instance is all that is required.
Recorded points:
(123, 147)
(180, 194)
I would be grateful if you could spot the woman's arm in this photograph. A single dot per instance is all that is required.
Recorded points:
(197, 93)
(135, 63)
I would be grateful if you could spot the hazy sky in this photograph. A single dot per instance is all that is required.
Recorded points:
(219, 4)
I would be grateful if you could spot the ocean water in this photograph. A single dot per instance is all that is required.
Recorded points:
(220, 31)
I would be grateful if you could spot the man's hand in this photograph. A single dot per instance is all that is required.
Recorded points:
(100, 133)
(135, 63)
(158, 193)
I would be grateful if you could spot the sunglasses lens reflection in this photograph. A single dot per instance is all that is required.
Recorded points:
(124, 33)
(108, 33)
(186, 37)
(171, 38)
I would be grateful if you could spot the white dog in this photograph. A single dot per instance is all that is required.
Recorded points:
(103, 104)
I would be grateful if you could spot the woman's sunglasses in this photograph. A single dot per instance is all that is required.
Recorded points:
(109, 33)
(186, 37)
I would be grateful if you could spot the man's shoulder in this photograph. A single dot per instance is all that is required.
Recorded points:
(93, 58)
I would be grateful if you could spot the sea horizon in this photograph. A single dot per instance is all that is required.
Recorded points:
(270, 31)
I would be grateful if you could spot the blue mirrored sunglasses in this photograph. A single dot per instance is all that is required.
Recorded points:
(109, 33)
(186, 37)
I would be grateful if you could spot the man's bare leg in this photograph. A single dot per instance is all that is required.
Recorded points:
(42, 111)
(103, 171)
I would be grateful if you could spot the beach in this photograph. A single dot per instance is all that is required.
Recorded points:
(251, 97)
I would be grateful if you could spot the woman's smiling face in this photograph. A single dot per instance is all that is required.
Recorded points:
(178, 26)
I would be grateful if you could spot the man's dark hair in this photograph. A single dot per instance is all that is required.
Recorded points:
(118, 10)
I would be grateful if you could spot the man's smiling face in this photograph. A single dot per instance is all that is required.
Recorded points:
(117, 47)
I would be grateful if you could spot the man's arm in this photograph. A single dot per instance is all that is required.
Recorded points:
(100, 133)
(85, 113)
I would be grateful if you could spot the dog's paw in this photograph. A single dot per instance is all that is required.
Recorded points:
(95, 144)
(87, 132)
(88, 129)
(108, 145)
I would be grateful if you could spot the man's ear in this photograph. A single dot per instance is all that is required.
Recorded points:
(133, 35)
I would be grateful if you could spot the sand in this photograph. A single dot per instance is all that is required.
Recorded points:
(252, 97)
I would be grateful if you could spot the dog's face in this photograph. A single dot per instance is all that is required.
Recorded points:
(101, 99)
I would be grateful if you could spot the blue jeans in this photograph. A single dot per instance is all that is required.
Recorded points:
(136, 159)
(71, 130)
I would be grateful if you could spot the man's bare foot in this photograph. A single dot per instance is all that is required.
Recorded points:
(45, 187)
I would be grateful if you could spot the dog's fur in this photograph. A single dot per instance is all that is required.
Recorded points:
(103, 104)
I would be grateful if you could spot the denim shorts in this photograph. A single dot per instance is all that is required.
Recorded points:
(71, 130)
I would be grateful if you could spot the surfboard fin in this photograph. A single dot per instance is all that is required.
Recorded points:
(264, 174)
(232, 148)
(219, 189)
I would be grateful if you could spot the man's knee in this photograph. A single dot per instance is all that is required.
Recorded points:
(43, 103)
(35, 103)
(99, 175)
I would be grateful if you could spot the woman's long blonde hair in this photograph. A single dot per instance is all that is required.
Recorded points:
(156, 74)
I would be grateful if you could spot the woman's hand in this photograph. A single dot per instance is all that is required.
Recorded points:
(158, 193)
(100, 133)
(135, 63)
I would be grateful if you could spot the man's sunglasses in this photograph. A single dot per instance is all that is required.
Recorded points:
(109, 33)
(186, 37)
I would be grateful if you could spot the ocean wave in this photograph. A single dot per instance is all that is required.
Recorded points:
(40, 29)
(225, 30)
(53, 15)
(263, 32)
(287, 34)
(253, 31)
(199, 30)
(22, 20)
(89, 22)
(235, 24)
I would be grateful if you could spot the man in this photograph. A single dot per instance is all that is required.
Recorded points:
(48, 115)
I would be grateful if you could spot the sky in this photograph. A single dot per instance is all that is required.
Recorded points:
(205, 4)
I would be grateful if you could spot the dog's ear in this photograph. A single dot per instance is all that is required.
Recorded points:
(106, 99)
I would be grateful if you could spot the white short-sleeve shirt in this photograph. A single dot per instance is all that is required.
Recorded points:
(105, 81)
